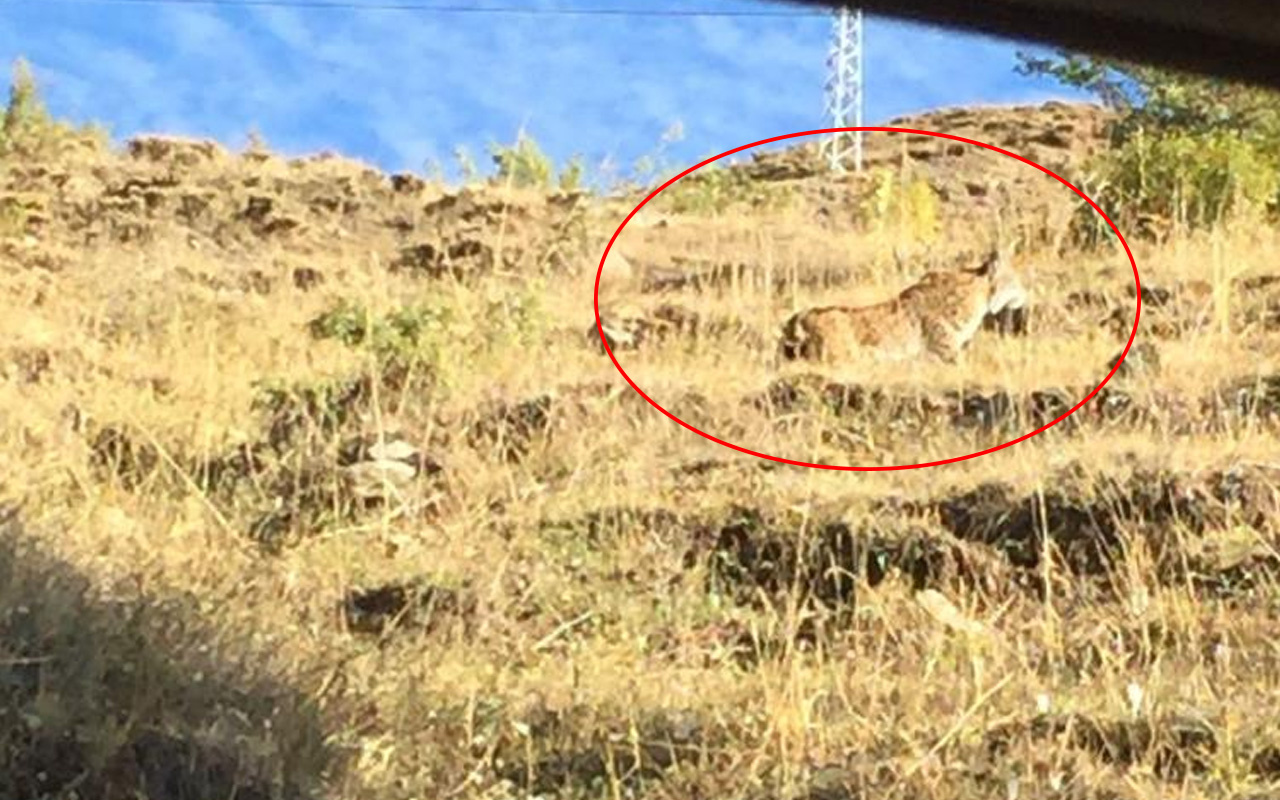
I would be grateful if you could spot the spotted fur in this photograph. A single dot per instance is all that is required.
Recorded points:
(937, 316)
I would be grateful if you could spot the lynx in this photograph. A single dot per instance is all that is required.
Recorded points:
(937, 316)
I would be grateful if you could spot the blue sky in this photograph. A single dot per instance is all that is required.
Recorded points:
(400, 87)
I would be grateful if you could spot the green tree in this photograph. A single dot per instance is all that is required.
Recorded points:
(1185, 150)
(25, 116)
(1156, 100)
(27, 127)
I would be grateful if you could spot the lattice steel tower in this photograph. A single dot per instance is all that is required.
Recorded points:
(844, 90)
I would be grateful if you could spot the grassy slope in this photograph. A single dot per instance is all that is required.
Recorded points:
(603, 603)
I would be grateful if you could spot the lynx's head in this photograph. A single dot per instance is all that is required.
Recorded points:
(1004, 288)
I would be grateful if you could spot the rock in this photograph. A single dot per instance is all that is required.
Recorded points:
(375, 468)
(395, 450)
(306, 278)
(404, 183)
(370, 480)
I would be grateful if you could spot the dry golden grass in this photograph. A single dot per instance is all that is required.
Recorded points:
(622, 608)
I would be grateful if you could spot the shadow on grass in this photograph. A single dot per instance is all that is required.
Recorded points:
(104, 698)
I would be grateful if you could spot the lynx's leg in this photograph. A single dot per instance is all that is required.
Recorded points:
(941, 340)
(948, 353)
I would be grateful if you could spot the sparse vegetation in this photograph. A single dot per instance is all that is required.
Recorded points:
(312, 486)
(717, 189)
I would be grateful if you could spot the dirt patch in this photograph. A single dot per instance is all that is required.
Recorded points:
(306, 278)
(856, 410)
(161, 186)
(1000, 413)
(506, 431)
(1008, 321)
(458, 259)
(700, 473)
(1186, 307)
(1089, 529)
(407, 605)
(1143, 358)
(813, 393)
(1235, 577)
(753, 553)
(294, 497)
(1257, 398)
(509, 430)
(1261, 300)
(122, 453)
(301, 414)
(567, 751)
(311, 466)
(176, 153)
(990, 540)
(26, 364)
(472, 233)
(1175, 747)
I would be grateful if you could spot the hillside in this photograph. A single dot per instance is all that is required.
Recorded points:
(320, 485)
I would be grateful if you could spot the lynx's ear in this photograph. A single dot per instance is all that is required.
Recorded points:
(990, 263)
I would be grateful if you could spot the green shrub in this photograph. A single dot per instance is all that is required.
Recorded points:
(519, 318)
(407, 337)
(1185, 151)
(715, 189)
(27, 129)
(14, 213)
(26, 121)
(1189, 181)
(572, 175)
(900, 204)
(522, 164)
(525, 165)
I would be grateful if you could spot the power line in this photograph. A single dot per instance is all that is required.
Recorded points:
(406, 5)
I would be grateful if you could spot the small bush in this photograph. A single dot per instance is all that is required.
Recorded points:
(27, 129)
(25, 117)
(903, 206)
(522, 164)
(1185, 151)
(518, 319)
(408, 337)
(15, 211)
(571, 176)
(525, 165)
(715, 189)
(1152, 184)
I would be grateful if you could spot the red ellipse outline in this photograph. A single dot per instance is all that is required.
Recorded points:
(1136, 283)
